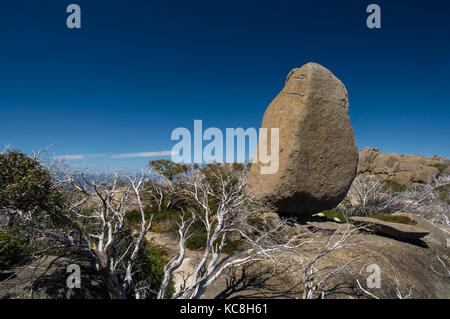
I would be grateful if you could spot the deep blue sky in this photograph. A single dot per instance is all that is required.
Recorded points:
(138, 69)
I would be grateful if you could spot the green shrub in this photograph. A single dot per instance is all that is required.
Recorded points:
(163, 221)
(149, 264)
(335, 213)
(25, 184)
(196, 241)
(133, 217)
(168, 168)
(150, 268)
(13, 249)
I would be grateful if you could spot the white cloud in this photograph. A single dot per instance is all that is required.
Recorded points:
(95, 155)
(142, 154)
(70, 157)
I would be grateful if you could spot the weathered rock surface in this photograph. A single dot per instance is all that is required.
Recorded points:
(317, 149)
(330, 226)
(395, 230)
(401, 169)
(405, 265)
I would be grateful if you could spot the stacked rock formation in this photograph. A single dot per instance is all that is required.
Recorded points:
(318, 154)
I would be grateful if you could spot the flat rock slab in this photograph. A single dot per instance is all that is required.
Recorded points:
(340, 228)
(395, 230)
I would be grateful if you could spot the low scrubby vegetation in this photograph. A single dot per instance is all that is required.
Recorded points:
(13, 249)
(47, 212)
(369, 197)
(102, 221)
(105, 223)
(150, 271)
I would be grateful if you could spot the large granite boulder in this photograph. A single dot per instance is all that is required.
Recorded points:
(318, 154)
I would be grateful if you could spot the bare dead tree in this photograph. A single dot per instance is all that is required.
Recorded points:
(444, 270)
(98, 204)
(368, 196)
(429, 201)
(315, 277)
(175, 262)
(220, 202)
(163, 193)
(94, 208)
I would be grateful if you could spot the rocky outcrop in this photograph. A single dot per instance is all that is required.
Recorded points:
(406, 265)
(401, 169)
(317, 149)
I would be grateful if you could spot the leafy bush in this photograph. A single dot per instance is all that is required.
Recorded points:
(149, 265)
(133, 217)
(150, 269)
(25, 184)
(335, 213)
(166, 221)
(163, 221)
(13, 249)
(168, 168)
(196, 241)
